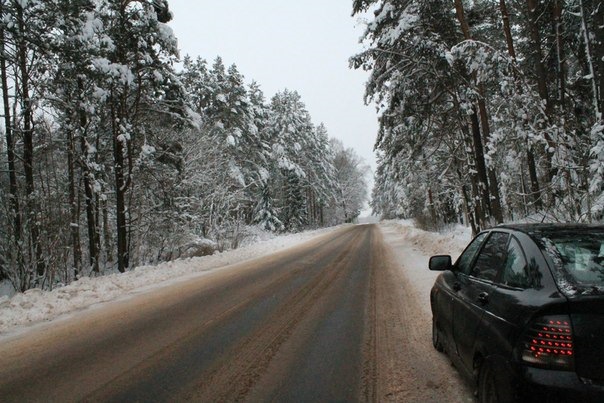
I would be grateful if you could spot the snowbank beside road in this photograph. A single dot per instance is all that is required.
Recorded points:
(418, 374)
(35, 306)
(413, 247)
(449, 242)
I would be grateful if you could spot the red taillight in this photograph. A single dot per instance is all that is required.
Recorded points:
(549, 343)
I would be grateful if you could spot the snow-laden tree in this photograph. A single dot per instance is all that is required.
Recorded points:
(110, 159)
(302, 162)
(350, 177)
(135, 71)
(266, 213)
(230, 122)
(489, 109)
(321, 181)
(23, 44)
(72, 83)
(428, 101)
(289, 130)
(279, 166)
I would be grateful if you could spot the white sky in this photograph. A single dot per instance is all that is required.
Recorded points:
(299, 45)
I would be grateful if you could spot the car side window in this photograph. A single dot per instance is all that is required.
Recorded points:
(515, 270)
(492, 257)
(464, 262)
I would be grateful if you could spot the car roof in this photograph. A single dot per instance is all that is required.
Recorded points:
(551, 227)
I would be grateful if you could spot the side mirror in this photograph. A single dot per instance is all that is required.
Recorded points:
(440, 263)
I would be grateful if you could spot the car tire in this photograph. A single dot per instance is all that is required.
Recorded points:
(436, 340)
(492, 389)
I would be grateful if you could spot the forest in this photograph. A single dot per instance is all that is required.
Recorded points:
(490, 111)
(116, 152)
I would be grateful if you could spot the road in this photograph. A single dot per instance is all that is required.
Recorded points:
(330, 320)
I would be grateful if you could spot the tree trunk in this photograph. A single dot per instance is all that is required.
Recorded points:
(476, 201)
(120, 194)
(93, 238)
(524, 191)
(121, 150)
(28, 147)
(489, 179)
(599, 51)
(93, 235)
(433, 217)
(505, 17)
(493, 183)
(74, 224)
(470, 217)
(311, 207)
(537, 53)
(322, 217)
(560, 54)
(589, 54)
(107, 232)
(465, 28)
(535, 190)
(10, 146)
(530, 155)
(481, 170)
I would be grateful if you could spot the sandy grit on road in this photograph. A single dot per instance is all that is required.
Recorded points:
(409, 368)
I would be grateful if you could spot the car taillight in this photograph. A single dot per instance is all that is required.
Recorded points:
(549, 343)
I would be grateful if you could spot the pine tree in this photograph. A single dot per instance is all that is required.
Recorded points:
(295, 214)
(290, 128)
(142, 53)
(350, 180)
(471, 111)
(266, 215)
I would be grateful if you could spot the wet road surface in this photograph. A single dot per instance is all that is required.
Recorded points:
(334, 319)
(292, 326)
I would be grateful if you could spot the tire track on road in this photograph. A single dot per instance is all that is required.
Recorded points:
(247, 361)
(369, 377)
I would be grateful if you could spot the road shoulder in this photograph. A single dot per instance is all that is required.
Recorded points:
(409, 368)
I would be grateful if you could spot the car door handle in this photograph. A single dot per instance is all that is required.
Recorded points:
(456, 286)
(483, 298)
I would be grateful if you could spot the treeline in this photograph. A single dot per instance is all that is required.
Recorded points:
(490, 110)
(110, 158)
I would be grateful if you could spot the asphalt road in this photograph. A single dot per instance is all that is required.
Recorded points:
(296, 326)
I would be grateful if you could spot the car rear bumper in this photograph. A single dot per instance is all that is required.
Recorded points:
(558, 386)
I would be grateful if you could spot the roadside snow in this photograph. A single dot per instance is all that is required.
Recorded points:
(451, 241)
(413, 247)
(420, 373)
(35, 306)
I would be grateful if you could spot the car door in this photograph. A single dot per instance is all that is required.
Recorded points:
(507, 306)
(444, 294)
(474, 287)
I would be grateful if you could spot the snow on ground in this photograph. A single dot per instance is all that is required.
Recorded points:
(411, 245)
(35, 306)
(450, 241)
(418, 374)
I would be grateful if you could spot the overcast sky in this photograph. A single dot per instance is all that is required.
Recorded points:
(298, 45)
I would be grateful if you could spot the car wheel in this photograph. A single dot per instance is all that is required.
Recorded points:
(492, 389)
(436, 341)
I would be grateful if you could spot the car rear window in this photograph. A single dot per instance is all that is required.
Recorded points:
(578, 258)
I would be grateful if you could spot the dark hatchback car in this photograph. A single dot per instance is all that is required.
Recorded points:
(521, 312)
